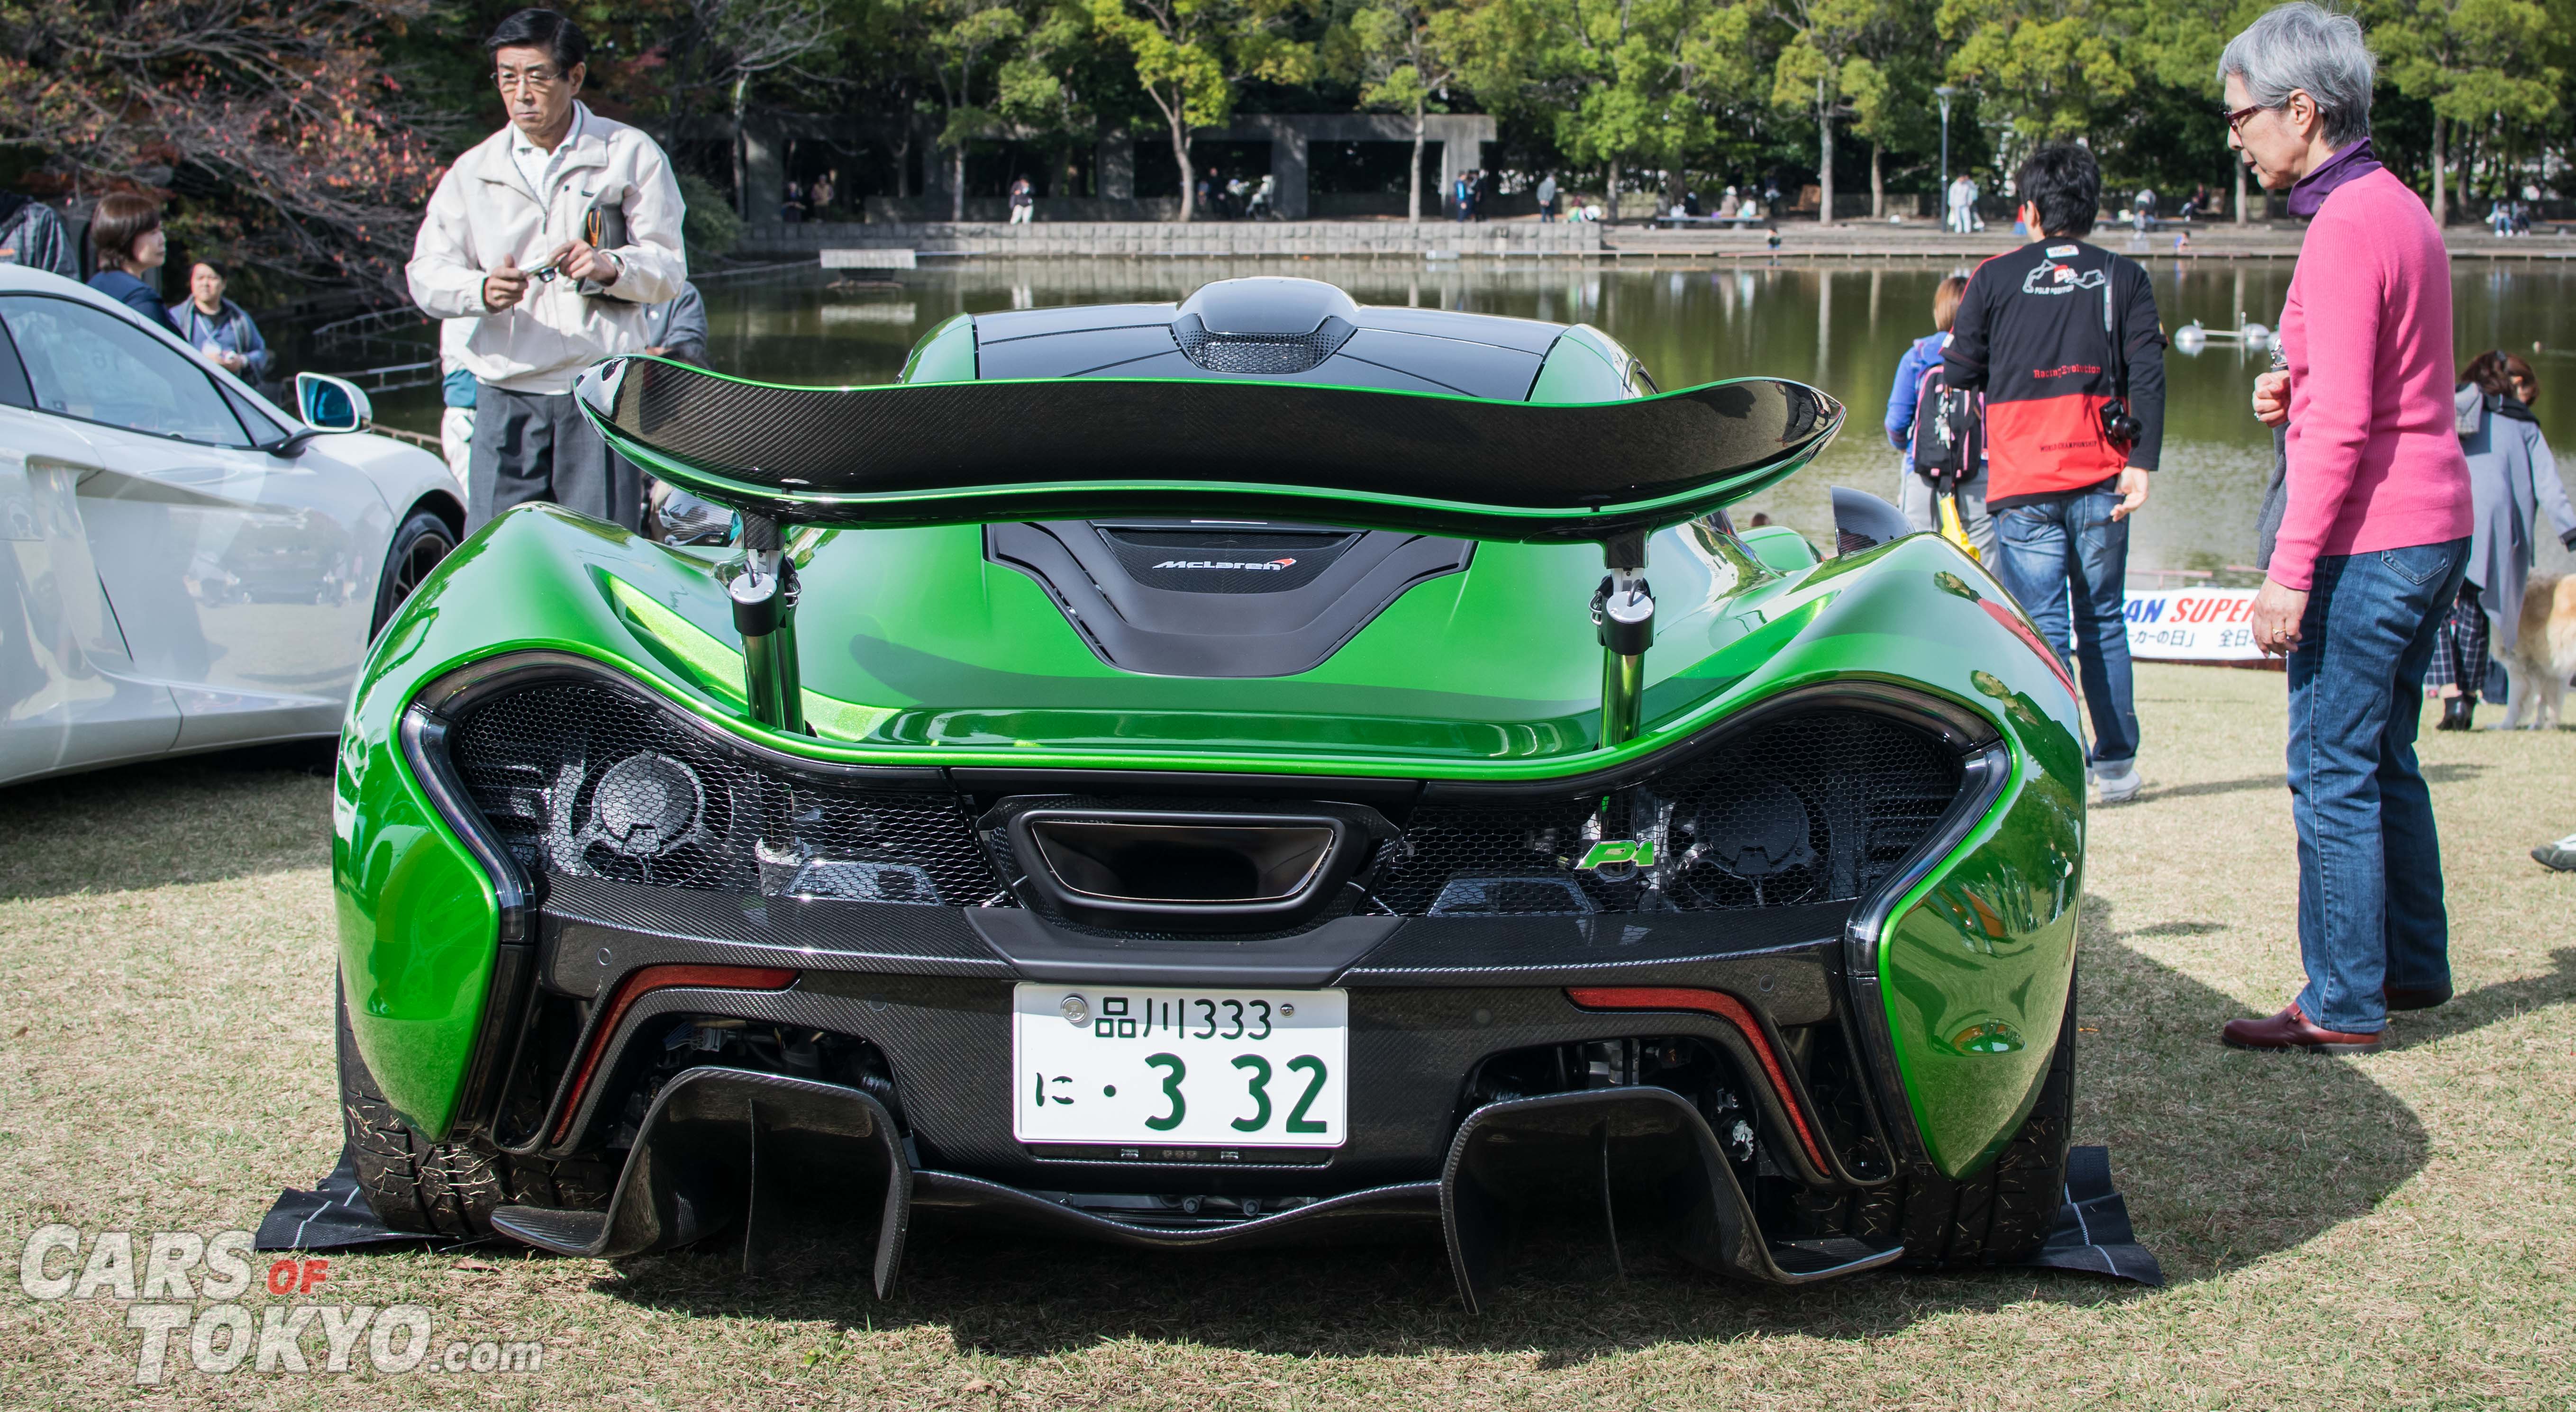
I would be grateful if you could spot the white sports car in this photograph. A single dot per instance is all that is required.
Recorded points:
(182, 565)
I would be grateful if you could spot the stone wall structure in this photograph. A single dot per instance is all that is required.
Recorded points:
(1041, 239)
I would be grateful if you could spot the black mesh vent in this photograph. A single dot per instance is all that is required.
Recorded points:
(584, 781)
(1259, 352)
(1216, 561)
(1816, 808)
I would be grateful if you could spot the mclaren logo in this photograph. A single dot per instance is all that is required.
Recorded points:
(1270, 567)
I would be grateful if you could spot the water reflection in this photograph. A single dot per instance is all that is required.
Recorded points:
(1842, 325)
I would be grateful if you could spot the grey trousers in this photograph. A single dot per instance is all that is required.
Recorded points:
(531, 446)
(1914, 502)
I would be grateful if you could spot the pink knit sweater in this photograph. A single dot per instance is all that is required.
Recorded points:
(2374, 461)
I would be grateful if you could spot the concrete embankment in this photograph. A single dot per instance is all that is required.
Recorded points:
(1565, 239)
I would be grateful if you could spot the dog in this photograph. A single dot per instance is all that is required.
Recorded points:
(2544, 653)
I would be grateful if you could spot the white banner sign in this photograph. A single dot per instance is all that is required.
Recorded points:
(2192, 625)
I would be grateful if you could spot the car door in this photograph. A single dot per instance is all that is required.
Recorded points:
(243, 580)
(69, 696)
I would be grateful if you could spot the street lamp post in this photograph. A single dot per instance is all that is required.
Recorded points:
(1945, 93)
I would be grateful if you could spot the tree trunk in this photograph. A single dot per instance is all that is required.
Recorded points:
(1877, 186)
(902, 163)
(1181, 155)
(957, 184)
(1612, 197)
(1824, 157)
(1413, 173)
(2441, 197)
(741, 159)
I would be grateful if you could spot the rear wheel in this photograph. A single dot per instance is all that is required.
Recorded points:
(417, 547)
(442, 1188)
(2001, 1215)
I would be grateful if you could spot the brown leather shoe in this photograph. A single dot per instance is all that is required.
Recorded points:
(2293, 1030)
(2407, 997)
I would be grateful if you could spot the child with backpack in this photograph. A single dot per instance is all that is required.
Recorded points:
(1932, 446)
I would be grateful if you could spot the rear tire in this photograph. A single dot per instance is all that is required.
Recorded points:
(422, 540)
(1998, 1216)
(441, 1188)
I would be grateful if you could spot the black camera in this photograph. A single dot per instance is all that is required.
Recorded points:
(2118, 425)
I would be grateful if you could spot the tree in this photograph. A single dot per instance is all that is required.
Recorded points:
(2049, 70)
(728, 45)
(1407, 58)
(1054, 85)
(302, 154)
(1827, 68)
(1190, 54)
(1615, 81)
(2475, 61)
(967, 32)
(2177, 43)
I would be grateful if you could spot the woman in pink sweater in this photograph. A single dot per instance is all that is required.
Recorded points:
(2373, 536)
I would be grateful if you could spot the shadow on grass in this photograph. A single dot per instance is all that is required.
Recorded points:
(2445, 772)
(188, 819)
(2224, 1162)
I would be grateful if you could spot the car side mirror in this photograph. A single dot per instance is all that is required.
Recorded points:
(332, 404)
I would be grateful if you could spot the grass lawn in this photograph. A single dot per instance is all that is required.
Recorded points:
(2390, 1231)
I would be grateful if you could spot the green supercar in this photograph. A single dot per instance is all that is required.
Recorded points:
(1258, 769)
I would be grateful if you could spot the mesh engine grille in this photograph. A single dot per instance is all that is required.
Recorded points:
(1816, 808)
(1259, 352)
(583, 781)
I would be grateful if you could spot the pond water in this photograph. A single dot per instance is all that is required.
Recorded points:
(1840, 325)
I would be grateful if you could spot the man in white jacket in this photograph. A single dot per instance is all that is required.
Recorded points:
(509, 243)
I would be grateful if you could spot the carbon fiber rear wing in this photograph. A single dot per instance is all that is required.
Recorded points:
(1072, 448)
(979, 452)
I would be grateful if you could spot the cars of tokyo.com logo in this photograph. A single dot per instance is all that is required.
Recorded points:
(183, 1293)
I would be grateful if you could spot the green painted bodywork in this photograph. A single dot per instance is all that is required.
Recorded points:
(918, 650)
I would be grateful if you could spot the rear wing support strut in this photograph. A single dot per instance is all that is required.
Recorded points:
(762, 585)
(1623, 613)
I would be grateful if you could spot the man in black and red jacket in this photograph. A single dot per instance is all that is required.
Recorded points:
(2063, 338)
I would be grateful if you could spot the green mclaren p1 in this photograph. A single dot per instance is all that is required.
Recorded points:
(1255, 770)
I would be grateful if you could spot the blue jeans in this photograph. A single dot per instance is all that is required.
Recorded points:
(2070, 548)
(2370, 867)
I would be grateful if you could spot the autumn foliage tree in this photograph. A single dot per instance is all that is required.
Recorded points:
(279, 117)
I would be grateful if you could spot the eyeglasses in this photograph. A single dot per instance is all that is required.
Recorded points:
(2236, 120)
(539, 79)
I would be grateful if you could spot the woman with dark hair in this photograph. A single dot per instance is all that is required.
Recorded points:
(219, 328)
(2512, 480)
(125, 237)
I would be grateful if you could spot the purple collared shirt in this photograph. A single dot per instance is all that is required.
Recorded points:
(2313, 189)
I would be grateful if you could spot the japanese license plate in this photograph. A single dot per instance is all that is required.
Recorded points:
(1215, 1068)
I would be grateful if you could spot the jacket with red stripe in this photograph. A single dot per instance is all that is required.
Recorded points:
(2034, 331)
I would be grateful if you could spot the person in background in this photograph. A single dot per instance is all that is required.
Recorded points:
(2374, 531)
(1728, 207)
(524, 194)
(820, 194)
(791, 210)
(126, 244)
(457, 390)
(1913, 493)
(677, 327)
(1024, 201)
(2063, 339)
(1462, 197)
(32, 234)
(2513, 480)
(1547, 198)
(217, 327)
